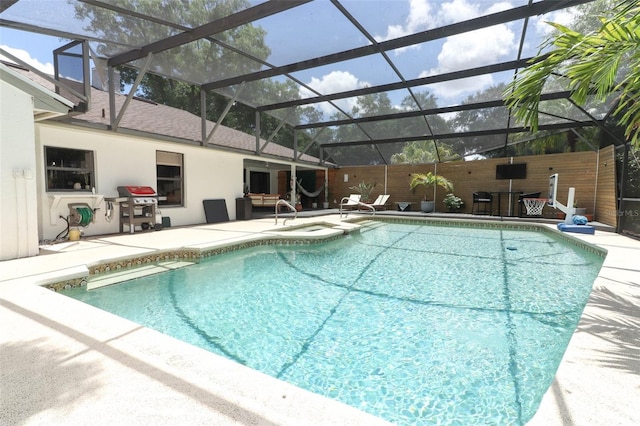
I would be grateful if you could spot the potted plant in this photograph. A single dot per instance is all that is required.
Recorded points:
(297, 201)
(429, 181)
(453, 202)
(364, 189)
(579, 210)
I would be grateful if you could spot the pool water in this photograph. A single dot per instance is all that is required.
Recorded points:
(417, 324)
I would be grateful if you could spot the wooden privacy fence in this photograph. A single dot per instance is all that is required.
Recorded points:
(592, 174)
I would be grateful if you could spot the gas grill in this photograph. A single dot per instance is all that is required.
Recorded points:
(138, 207)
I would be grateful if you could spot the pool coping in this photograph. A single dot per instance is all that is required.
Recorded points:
(565, 399)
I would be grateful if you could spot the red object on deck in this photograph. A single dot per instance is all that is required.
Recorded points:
(136, 191)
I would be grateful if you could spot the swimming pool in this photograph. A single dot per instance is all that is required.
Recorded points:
(415, 323)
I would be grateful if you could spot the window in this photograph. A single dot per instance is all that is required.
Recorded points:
(170, 178)
(68, 169)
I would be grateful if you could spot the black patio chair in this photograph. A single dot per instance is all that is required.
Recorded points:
(482, 199)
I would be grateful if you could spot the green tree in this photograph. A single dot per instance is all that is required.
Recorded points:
(426, 100)
(481, 119)
(424, 152)
(199, 58)
(401, 152)
(539, 143)
(602, 62)
(368, 105)
(196, 61)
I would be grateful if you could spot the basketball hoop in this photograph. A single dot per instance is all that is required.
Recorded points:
(534, 206)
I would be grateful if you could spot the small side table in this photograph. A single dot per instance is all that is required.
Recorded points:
(244, 209)
(403, 206)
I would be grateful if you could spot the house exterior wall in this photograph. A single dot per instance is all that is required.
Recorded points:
(18, 212)
(129, 160)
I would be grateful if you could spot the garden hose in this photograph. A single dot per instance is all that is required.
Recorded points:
(86, 215)
(108, 214)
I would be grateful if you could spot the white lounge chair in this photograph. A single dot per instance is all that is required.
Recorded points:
(352, 202)
(380, 202)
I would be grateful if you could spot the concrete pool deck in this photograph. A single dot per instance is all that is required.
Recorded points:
(64, 362)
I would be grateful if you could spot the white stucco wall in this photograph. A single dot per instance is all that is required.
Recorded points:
(18, 203)
(127, 160)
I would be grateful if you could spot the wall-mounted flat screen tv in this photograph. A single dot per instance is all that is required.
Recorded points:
(511, 171)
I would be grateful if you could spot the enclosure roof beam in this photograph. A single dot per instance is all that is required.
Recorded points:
(397, 43)
(556, 126)
(430, 111)
(214, 27)
(132, 93)
(40, 74)
(440, 78)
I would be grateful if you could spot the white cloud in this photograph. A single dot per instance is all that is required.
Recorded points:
(26, 57)
(457, 11)
(420, 18)
(336, 81)
(563, 17)
(462, 10)
(472, 49)
(469, 50)
(475, 48)
(460, 87)
(499, 7)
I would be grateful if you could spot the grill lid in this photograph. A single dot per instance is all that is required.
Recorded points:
(136, 191)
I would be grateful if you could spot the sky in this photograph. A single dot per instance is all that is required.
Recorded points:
(385, 20)
(35, 49)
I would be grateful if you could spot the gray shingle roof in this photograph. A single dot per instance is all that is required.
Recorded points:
(163, 120)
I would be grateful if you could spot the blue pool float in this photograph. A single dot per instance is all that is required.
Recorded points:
(578, 229)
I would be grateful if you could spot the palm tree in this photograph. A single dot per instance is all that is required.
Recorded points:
(600, 63)
(424, 152)
(429, 181)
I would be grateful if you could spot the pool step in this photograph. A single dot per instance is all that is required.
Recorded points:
(347, 227)
(104, 280)
(369, 225)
